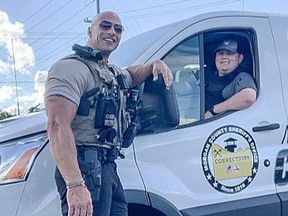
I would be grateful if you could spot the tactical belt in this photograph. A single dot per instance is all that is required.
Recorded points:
(104, 154)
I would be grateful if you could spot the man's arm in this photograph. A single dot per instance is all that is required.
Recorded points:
(60, 112)
(140, 73)
(241, 100)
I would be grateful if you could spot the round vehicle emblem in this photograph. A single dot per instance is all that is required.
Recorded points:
(230, 159)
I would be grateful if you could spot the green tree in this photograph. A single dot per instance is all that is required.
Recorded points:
(5, 114)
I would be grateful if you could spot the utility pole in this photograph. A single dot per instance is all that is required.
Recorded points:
(15, 78)
(98, 6)
(97, 9)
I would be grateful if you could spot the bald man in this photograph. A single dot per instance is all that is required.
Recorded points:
(73, 134)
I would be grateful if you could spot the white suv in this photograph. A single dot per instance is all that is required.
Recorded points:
(180, 164)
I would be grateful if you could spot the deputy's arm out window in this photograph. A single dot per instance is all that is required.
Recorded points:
(183, 60)
(244, 39)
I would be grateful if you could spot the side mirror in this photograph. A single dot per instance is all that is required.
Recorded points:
(159, 106)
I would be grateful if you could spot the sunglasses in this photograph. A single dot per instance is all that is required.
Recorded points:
(106, 25)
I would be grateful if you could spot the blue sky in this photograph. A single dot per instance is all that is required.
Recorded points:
(34, 34)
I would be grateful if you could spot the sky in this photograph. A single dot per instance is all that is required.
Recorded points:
(34, 34)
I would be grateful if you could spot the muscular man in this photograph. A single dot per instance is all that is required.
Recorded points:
(71, 133)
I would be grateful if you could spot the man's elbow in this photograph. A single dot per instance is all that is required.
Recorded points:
(250, 98)
(52, 125)
(249, 102)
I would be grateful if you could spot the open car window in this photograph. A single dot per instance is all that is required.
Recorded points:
(193, 57)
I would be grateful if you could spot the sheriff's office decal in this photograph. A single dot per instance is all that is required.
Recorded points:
(230, 159)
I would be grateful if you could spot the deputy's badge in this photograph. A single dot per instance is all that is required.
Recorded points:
(230, 159)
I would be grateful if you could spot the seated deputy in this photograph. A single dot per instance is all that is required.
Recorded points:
(229, 87)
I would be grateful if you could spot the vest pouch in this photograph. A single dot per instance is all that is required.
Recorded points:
(106, 111)
(85, 103)
(129, 135)
(84, 107)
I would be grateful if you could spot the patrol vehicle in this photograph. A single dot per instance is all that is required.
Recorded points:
(180, 164)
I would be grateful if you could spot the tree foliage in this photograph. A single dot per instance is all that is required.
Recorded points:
(5, 114)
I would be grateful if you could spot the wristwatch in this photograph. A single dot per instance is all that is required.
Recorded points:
(211, 110)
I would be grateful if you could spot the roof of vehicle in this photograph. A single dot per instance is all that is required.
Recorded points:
(129, 51)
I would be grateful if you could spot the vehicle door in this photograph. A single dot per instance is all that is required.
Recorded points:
(226, 163)
(280, 29)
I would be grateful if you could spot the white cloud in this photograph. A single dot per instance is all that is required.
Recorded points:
(7, 92)
(36, 97)
(14, 47)
(12, 35)
(39, 80)
(4, 67)
(39, 84)
(8, 95)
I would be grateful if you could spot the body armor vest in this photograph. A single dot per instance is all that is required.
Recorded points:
(101, 116)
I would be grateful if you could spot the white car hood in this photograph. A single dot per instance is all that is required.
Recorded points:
(22, 126)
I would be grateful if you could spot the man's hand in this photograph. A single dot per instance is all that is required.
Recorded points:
(208, 115)
(140, 73)
(79, 202)
(160, 67)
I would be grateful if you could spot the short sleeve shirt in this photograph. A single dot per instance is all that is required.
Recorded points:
(219, 89)
(242, 80)
(71, 79)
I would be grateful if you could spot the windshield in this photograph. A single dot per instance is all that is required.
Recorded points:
(131, 49)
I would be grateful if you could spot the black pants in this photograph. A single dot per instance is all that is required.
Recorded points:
(112, 201)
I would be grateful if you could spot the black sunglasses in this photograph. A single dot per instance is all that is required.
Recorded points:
(106, 25)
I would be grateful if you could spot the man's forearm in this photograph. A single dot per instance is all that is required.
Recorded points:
(60, 113)
(140, 73)
(241, 100)
(64, 151)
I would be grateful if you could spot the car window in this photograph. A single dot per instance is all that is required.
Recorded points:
(185, 61)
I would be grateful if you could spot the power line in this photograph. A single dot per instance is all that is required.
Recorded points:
(61, 50)
(65, 22)
(54, 12)
(206, 5)
(20, 6)
(36, 33)
(133, 17)
(151, 14)
(38, 11)
(154, 6)
(21, 82)
(59, 35)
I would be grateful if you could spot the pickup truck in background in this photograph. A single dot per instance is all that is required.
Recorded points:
(235, 163)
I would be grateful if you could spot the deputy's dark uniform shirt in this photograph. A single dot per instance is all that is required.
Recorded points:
(219, 89)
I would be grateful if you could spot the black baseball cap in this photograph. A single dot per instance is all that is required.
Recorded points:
(230, 45)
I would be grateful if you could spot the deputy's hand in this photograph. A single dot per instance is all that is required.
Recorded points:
(160, 67)
(208, 115)
(79, 201)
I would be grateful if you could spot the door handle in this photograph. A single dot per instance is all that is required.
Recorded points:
(273, 126)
